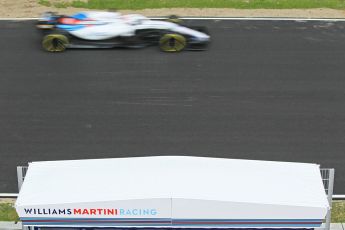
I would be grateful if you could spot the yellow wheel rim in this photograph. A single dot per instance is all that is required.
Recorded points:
(172, 43)
(55, 42)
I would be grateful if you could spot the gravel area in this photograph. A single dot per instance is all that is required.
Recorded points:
(31, 8)
(7, 200)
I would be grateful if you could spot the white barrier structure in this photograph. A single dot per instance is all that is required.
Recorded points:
(172, 192)
(328, 182)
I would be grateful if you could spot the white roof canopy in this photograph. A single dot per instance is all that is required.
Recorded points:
(176, 187)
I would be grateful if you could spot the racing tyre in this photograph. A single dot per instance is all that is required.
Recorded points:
(174, 19)
(55, 42)
(172, 43)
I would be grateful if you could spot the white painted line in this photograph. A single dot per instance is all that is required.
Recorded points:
(14, 195)
(265, 19)
(221, 18)
(338, 196)
(10, 195)
(17, 19)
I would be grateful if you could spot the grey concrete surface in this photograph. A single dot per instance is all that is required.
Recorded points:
(6, 225)
(337, 226)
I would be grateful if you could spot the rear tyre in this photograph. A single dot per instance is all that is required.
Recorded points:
(172, 43)
(174, 19)
(55, 42)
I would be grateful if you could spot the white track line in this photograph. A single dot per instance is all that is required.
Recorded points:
(17, 19)
(221, 18)
(264, 19)
(9, 195)
(338, 196)
(15, 195)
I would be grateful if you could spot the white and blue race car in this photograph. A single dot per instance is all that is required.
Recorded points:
(111, 29)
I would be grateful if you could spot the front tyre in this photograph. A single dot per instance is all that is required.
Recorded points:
(55, 42)
(172, 43)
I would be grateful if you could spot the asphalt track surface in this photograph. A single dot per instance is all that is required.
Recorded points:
(271, 90)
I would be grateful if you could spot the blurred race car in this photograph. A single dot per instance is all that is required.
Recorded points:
(111, 29)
